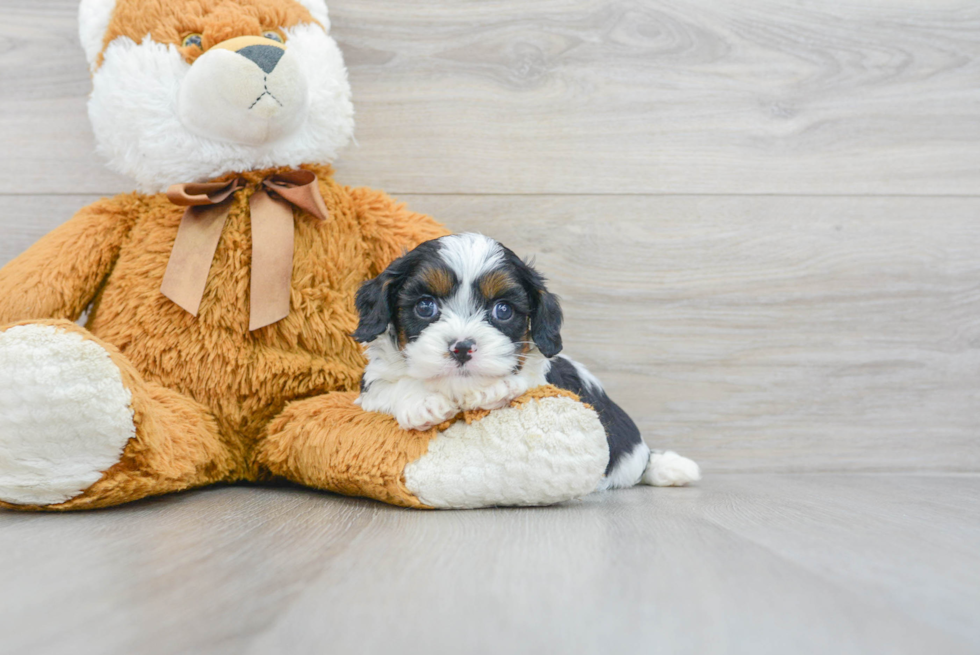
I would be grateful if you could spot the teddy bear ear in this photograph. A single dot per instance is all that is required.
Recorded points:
(93, 21)
(318, 9)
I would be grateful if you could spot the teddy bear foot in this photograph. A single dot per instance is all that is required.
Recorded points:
(540, 452)
(65, 414)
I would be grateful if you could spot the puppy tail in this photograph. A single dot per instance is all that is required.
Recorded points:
(665, 468)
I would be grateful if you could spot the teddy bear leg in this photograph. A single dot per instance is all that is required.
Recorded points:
(540, 452)
(79, 428)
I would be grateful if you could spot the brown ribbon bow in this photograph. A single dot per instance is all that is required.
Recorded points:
(208, 204)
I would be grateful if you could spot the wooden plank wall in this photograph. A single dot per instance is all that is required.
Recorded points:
(764, 217)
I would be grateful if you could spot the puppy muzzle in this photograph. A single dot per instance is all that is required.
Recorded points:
(462, 351)
(247, 90)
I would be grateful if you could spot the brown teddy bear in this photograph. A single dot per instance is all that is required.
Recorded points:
(217, 342)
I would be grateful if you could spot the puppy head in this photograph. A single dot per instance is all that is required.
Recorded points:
(188, 90)
(461, 305)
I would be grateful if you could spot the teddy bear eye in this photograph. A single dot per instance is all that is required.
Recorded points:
(275, 36)
(191, 40)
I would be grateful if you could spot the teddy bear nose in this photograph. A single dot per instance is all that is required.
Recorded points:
(264, 56)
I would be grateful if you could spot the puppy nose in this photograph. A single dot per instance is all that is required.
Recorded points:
(264, 56)
(462, 351)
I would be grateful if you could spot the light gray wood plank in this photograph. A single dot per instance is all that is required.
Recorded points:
(45, 138)
(600, 96)
(641, 571)
(740, 564)
(26, 218)
(873, 535)
(750, 333)
(199, 572)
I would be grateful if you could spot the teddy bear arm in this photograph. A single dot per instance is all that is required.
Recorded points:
(390, 228)
(59, 275)
(328, 442)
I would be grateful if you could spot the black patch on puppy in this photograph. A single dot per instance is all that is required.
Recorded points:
(372, 307)
(377, 299)
(545, 310)
(621, 432)
(502, 284)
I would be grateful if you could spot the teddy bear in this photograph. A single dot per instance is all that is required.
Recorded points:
(220, 296)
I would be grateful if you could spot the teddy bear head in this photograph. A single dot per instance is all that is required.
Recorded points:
(188, 90)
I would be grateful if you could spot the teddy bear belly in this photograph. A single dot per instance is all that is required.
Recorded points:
(245, 378)
(244, 382)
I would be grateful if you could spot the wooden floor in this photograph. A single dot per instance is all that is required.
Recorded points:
(764, 220)
(768, 563)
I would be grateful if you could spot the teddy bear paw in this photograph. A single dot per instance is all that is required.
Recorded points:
(538, 453)
(65, 414)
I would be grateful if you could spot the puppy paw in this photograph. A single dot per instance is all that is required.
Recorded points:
(668, 469)
(496, 396)
(430, 410)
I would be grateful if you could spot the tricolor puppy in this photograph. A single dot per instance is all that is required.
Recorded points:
(461, 322)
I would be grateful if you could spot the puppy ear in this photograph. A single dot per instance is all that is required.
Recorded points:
(376, 300)
(373, 307)
(546, 318)
(546, 315)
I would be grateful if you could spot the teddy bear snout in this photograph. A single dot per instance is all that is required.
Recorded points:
(247, 90)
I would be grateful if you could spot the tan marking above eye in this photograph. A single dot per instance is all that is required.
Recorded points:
(494, 284)
(439, 281)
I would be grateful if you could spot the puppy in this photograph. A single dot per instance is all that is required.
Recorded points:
(461, 322)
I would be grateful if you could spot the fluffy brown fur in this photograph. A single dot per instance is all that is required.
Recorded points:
(205, 389)
(169, 21)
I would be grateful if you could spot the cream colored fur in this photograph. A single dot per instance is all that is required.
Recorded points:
(538, 453)
(226, 97)
(93, 20)
(318, 9)
(65, 415)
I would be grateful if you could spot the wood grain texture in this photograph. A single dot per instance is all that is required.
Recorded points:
(587, 96)
(741, 564)
(750, 333)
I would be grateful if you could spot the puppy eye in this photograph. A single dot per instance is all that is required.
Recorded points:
(274, 36)
(191, 40)
(427, 307)
(503, 311)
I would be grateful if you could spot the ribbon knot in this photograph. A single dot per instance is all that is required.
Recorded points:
(271, 215)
